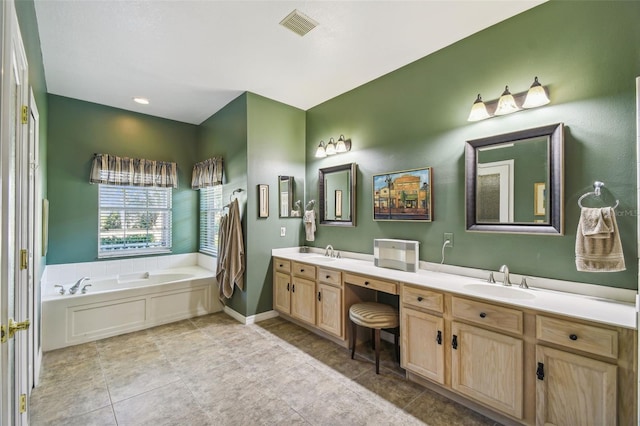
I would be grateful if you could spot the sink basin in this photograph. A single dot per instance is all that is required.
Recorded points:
(499, 291)
(322, 259)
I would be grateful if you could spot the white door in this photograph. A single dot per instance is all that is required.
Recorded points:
(13, 137)
(638, 236)
(500, 173)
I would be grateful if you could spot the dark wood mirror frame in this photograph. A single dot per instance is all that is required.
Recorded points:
(323, 198)
(555, 225)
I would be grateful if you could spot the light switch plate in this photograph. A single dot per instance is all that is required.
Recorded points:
(283, 231)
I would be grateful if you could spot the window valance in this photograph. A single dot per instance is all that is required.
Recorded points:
(207, 173)
(114, 170)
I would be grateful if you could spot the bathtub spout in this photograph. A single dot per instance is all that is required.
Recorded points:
(76, 286)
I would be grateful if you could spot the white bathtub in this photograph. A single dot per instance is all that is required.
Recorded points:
(125, 303)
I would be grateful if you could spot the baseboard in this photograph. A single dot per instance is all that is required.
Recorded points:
(250, 319)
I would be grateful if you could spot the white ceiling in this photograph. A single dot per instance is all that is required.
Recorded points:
(190, 58)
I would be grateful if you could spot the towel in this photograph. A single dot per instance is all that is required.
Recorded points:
(310, 224)
(598, 244)
(233, 262)
(223, 230)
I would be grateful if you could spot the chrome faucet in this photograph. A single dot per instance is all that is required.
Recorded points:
(76, 286)
(505, 270)
(327, 252)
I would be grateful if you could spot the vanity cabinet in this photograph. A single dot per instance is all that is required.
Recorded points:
(329, 302)
(488, 367)
(572, 388)
(294, 289)
(422, 333)
(282, 285)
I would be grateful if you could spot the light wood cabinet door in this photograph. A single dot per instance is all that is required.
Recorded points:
(282, 292)
(574, 390)
(422, 344)
(303, 302)
(487, 367)
(329, 309)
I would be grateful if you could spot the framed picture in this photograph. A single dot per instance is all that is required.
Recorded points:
(539, 199)
(263, 200)
(338, 203)
(405, 195)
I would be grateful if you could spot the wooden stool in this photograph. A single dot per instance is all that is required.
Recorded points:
(375, 316)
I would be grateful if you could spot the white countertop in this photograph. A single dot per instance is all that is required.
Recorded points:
(601, 310)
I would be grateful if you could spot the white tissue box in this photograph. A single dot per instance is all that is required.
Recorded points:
(396, 254)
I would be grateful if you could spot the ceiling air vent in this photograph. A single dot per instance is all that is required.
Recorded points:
(298, 22)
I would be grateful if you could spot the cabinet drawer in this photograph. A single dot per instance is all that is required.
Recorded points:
(506, 319)
(372, 283)
(422, 298)
(304, 270)
(588, 338)
(330, 276)
(282, 265)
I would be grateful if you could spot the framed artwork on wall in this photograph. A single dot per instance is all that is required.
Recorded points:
(263, 200)
(403, 196)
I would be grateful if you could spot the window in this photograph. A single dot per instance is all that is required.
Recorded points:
(211, 211)
(134, 220)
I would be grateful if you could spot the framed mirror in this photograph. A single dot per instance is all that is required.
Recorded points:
(286, 195)
(337, 189)
(515, 182)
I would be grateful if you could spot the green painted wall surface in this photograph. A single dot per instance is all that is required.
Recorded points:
(79, 129)
(586, 52)
(225, 135)
(275, 146)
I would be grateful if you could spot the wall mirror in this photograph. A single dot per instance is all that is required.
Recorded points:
(515, 182)
(337, 189)
(286, 193)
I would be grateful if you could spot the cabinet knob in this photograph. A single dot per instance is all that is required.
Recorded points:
(420, 299)
(573, 337)
(328, 276)
(454, 342)
(281, 265)
(287, 286)
(366, 283)
(439, 337)
(301, 270)
(483, 315)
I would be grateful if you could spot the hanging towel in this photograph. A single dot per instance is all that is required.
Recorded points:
(598, 244)
(233, 262)
(223, 230)
(310, 224)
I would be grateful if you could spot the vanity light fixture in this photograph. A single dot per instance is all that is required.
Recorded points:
(320, 151)
(509, 103)
(330, 149)
(536, 96)
(506, 103)
(341, 146)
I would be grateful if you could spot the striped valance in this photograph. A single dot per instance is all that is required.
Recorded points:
(114, 170)
(207, 173)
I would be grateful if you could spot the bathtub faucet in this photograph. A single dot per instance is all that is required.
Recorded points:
(76, 286)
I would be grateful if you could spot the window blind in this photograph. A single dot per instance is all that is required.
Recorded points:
(211, 211)
(134, 220)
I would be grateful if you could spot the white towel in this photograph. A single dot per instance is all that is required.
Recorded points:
(598, 244)
(310, 224)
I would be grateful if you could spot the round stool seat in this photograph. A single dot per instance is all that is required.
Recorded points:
(374, 315)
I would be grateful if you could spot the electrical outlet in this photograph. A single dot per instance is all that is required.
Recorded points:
(448, 236)
(283, 231)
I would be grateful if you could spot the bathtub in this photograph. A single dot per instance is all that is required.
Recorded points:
(124, 303)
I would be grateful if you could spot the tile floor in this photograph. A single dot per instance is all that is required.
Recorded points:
(211, 370)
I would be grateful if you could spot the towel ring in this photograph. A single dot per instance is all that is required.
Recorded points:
(597, 185)
(310, 205)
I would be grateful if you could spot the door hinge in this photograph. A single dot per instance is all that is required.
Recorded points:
(23, 403)
(24, 259)
(25, 114)
(3, 333)
(17, 326)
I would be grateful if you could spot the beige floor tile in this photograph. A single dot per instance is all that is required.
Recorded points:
(173, 329)
(167, 405)
(399, 391)
(102, 417)
(437, 410)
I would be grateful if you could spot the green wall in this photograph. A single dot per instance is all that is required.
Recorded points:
(79, 129)
(587, 53)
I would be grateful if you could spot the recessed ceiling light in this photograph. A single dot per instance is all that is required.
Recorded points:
(143, 101)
